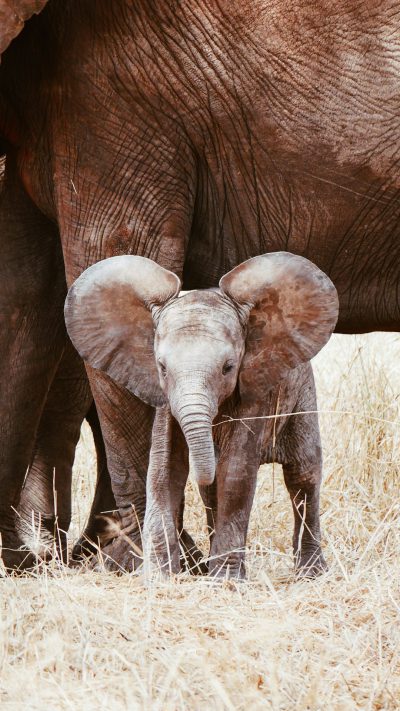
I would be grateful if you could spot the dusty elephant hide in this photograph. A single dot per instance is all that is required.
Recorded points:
(237, 347)
(198, 134)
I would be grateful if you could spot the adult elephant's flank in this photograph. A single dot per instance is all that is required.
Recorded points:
(200, 134)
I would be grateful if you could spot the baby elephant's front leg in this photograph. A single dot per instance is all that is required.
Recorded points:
(166, 479)
(236, 483)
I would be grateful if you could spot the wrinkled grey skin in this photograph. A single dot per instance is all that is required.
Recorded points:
(243, 350)
(242, 448)
(196, 335)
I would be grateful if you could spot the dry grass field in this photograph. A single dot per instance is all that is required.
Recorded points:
(72, 640)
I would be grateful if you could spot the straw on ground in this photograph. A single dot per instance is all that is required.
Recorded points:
(88, 640)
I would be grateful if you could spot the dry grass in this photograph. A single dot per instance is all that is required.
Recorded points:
(94, 641)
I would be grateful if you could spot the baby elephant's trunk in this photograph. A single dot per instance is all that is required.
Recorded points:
(195, 412)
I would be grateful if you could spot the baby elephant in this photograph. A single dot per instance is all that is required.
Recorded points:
(240, 351)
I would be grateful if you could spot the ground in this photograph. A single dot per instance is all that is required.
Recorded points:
(71, 640)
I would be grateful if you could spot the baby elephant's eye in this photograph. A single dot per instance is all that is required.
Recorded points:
(227, 367)
(163, 369)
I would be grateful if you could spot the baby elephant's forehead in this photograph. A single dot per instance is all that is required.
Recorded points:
(199, 308)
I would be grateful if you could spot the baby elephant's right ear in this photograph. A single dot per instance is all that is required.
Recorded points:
(109, 321)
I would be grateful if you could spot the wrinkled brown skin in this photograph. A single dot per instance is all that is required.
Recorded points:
(12, 18)
(203, 338)
(200, 134)
(103, 502)
(44, 510)
(31, 344)
(56, 392)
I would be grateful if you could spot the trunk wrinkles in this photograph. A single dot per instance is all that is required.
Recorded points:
(195, 411)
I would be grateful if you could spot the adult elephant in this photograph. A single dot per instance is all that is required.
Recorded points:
(200, 134)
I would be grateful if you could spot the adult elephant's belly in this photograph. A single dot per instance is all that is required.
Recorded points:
(343, 217)
(300, 148)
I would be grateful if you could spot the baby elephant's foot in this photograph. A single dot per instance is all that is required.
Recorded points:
(310, 564)
(229, 567)
(159, 568)
(161, 554)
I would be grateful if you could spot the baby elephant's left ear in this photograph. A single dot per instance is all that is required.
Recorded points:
(108, 314)
(293, 309)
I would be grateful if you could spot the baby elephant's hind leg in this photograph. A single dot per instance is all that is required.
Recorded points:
(209, 497)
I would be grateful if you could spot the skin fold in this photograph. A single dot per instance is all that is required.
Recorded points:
(243, 349)
(36, 464)
(197, 134)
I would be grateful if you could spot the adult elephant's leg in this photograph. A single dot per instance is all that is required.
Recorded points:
(32, 338)
(44, 512)
(302, 469)
(126, 424)
(104, 500)
(136, 206)
(236, 481)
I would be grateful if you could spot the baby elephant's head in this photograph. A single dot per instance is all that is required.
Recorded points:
(126, 317)
(199, 345)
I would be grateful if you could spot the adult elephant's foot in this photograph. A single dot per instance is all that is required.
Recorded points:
(118, 546)
(115, 544)
(100, 531)
(15, 555)
(44, 534)
(310, 563)
(83, 549)
(122, 555)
